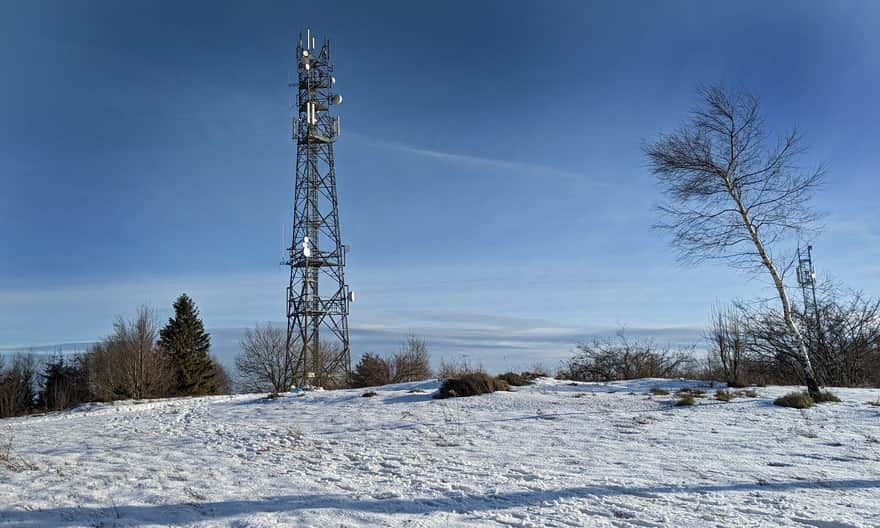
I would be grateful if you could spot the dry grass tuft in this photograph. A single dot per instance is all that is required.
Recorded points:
(795, 400)
(471, 384)
(824, 397)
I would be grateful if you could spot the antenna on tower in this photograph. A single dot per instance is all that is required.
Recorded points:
(318, 298)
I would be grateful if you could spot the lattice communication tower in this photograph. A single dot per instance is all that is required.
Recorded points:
(317, 296)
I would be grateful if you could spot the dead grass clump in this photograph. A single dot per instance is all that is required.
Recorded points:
(796, 400)
(824, 397)
(685, 399)
(369, 394)
(657, 391)
(471, 384)
(723, 395)
(273, 396)
(517, 380)
(693, 393)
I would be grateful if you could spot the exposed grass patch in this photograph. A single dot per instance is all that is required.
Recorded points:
(415, 391)
(273, 396)
(657, 391)
(693, 393)
(369, 394)
(796, 400)
(685, 400)
(517, 380)
(746, 393)
(471, 384)
(875, 403)
(723, 395)
(824, 397)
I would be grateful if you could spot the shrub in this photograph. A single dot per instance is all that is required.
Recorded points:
(723, 395)
(796, 400)
(457, 369)
(369, 394)
(686, 399)
(471, 384)
(624, 358)
(517, 380)
(657, 391)
(371, 371)
(825, 396)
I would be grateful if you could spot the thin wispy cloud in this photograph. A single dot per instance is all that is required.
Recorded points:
(478, 161)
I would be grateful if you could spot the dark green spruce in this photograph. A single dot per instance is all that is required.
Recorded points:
(187, 344)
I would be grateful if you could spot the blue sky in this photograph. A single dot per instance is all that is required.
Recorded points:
(491, 179)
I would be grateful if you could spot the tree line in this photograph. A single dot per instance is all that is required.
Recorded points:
(264, 363)
(137, 361)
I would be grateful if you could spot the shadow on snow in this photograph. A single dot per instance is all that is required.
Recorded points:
(190, 512)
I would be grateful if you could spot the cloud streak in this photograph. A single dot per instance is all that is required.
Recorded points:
(477, 161)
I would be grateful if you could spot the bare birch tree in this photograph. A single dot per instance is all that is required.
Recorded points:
(734, 194)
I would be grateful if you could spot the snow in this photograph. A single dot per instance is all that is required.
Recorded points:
(550, 454)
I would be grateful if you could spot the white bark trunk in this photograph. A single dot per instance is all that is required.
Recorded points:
(809, 373)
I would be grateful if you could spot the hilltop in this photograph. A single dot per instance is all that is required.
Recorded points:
(549, 454)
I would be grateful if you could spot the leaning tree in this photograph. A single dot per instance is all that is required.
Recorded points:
(733, 193)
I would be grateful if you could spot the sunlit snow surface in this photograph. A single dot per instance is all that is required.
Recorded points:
(551, 454)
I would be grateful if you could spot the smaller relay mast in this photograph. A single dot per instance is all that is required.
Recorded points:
(806, 276)
(317, 296)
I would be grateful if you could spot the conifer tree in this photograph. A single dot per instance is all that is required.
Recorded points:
(187, 344)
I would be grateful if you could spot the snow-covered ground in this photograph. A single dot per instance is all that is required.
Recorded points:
(551, 454)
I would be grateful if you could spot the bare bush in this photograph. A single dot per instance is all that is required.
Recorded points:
(411, 363)
(224, 381)
(843, 335)
(623, 358)
(263, 364)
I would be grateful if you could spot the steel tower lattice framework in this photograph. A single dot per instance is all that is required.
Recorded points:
(317, 296)
(806, 276)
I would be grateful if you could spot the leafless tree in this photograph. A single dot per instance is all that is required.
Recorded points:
(733, 194)
(263, 364)
(330, 372)
(728, 340)
(128, 364)
(411, 362)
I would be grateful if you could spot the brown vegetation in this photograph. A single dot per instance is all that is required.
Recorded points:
(470, 384)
